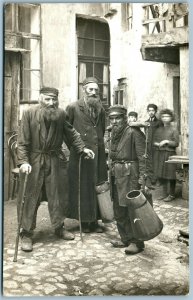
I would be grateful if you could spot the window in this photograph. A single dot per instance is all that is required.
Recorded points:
(24, 20)
(9, 17)
(94, 55)
(129, 15)
(119, 97)
(29, 25)
(120, 91)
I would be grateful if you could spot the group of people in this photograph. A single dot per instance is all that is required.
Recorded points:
(69, 186)
(162, 140)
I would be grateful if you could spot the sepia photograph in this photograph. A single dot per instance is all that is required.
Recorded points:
(96, 149)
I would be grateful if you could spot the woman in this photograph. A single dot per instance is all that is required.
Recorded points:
(165, 141)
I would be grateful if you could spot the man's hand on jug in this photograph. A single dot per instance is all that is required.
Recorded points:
(89, 153)
(25, 168)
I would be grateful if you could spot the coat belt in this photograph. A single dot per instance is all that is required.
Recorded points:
(48, 152)
(121, 168)
(123, 161)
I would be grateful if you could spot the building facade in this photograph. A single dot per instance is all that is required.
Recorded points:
(138, 52)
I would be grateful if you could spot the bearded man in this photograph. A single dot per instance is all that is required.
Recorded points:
(128, 167)
(88, 117)
(42, 132)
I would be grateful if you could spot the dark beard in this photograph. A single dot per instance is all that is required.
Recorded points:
(116, 135)
(50, 113)
(117, 131)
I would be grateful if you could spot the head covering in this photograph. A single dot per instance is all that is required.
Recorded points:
(49, 90)
(133, 114)
(89, 80)
(169, 112)
(154, 106)
(116, 110)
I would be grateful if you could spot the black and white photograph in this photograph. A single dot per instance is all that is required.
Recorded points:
(96, 149)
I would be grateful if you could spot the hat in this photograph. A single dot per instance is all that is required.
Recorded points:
(154, 106)
(169, 112)
(49, 90)
(117, 110)
(133, 114)
(89, 80)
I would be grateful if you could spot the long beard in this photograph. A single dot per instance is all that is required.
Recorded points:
(94, 104)
(118, 130)
(50, 113)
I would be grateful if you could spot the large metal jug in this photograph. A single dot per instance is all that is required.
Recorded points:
(104, 201)
(144, 221)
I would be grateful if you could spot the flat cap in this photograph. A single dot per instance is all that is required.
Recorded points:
(133, 114)
(154, 106)
(117, 109)
(89, 80)
(49, 90)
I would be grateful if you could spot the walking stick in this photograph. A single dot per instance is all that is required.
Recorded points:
(147, 194)
(145, 156)
(20, 217)
(109, 128)
(79, 215)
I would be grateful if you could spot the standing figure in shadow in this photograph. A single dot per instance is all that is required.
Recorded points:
(166, 140)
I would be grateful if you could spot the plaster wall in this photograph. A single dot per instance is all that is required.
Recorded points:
(59, 46)
(147, 82)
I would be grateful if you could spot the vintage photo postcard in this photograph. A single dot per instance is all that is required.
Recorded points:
(96, 149)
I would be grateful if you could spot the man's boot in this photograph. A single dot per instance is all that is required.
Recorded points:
(26, 241)
(169, 198)
(135, 247)
(85, 227)
(119, 244)
(95, 227)
(163, 194)
(64, 234)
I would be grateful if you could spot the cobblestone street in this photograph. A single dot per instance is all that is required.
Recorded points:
(94, 267)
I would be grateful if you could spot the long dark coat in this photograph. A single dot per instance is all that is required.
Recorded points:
(42, 150)
(128, 162)
(128, 167)
(150, 131)
(161, 155)
(92, 171)
(156, 123)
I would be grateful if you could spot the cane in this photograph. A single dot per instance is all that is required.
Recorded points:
(109, 129)
(20, 217)
(148, 195)
(79, 215)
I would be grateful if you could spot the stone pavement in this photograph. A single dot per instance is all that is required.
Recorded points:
(69, 268)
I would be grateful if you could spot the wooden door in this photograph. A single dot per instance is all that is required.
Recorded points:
(11, 108)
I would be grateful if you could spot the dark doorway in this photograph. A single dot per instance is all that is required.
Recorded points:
(176, 101)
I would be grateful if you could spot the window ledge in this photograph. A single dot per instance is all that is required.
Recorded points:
(16, 49)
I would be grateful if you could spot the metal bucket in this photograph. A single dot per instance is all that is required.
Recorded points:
(144, 221)
(135, 199)
(104, 201)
